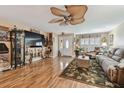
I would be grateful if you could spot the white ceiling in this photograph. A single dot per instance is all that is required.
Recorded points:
(98, 18)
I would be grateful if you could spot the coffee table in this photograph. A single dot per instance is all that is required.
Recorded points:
(83, 62)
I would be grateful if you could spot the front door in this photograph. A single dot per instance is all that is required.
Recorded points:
(66, 45)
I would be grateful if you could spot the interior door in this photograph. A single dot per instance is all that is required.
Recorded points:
(66, 45)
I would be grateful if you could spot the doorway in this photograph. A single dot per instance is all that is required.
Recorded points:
(66, 47)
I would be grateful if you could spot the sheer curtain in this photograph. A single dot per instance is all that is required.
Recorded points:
(89, 43)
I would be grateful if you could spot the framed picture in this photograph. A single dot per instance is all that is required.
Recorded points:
(111, 39)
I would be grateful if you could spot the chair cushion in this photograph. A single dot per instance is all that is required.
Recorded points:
(107, 63)
(101, 58)
(117, 58)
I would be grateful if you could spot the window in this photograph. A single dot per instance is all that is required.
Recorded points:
(67, 44)
(82, 41)
(90, 41)
(86, 41)
(97, 40)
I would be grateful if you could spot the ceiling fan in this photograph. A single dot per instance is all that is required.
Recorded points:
(74, 14)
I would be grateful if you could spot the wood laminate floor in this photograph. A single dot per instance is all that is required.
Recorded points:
(41, 74)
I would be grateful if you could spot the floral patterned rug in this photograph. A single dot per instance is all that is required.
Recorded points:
(93, 76)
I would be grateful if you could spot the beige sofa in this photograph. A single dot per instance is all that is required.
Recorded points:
(113, 65)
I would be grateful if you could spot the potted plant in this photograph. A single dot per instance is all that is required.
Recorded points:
(77, 50)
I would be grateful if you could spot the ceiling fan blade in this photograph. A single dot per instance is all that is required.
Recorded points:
(56, 20)
(76, 11)
(77, 21)
(64, 23)
(59, 12)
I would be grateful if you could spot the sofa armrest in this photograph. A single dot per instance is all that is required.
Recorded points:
(112, 73)
(120, 69)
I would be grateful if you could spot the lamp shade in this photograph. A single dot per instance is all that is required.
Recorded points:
(104, 44)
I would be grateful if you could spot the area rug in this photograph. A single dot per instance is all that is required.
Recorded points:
(93, 76)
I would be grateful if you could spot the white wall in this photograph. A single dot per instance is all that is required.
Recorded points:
(55, 45)
(118, 36)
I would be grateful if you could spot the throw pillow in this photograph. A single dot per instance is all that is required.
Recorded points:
(119, 52)
(113, 50)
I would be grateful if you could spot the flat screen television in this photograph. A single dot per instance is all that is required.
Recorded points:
(34, 39)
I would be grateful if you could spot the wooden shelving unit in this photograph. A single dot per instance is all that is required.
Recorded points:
(18, 48)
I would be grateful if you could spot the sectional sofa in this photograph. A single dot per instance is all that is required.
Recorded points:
(113, 65)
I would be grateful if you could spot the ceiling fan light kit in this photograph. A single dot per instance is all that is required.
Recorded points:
(74, 14)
